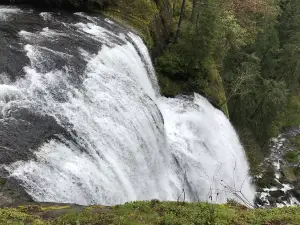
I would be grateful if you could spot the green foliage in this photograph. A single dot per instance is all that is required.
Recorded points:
(240, 57)
(254, 100)
(262, 77)
(297, 141)
(190, 64)
(253, 150)
(289, 116)
(129, 11)
(155, 212)
(291, 156)
(289, 31)
(2, 182)
(16, 217)
(290, 173)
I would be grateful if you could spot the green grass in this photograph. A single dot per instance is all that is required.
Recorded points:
(55, 208)
(153, 212)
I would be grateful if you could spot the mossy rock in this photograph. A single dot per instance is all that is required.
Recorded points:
(291, 156)
(297, 142)
(2, 181)
(277, 194)
(295, 193)
(152, 20)
(268, 179)
(215, 89)
(267, 182)
(289, 174)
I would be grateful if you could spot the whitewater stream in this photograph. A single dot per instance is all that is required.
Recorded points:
(82, 120)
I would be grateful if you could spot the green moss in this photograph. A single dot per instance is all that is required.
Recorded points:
(290, 117)
(29, 208)
(289, 174)
(266, 182)
(215, 88)
(292, 156)
(132, 23)
(51, 208)
(253, 150)
(297, 141)
(296, 120)
(85, 217)
(129, 14)
(156, 212)
(176, 78)
(268, 179)
(169, 88)
(17, 217)
(2, 181)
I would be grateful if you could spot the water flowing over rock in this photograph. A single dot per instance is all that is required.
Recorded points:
(82, 120)
(278, 182)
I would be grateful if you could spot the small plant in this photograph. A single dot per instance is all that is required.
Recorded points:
(292, 156)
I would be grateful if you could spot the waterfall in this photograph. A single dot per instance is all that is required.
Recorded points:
(83, 122)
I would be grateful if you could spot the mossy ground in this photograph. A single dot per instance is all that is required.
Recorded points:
(153, 212)
(129, 14)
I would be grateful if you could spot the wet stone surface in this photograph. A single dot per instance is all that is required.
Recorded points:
(24, 125)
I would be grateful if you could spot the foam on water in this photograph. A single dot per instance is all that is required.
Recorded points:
(120, 128)
(209, 159)
(7, 12)
(131, 143)
(46, 16)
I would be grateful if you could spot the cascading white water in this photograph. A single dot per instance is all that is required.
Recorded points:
(131, 143)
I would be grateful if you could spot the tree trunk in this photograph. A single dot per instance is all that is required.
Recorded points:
(174, 8)
(194, 10)
(180, 20)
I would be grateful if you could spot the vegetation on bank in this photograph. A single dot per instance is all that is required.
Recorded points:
(241, 55)
(291, 170)
(244, 57)
(153, 212)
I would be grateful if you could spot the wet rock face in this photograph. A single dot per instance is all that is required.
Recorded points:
(278, 183)
(23, 131)
(12, 192)
(277, 193)
(24, 126)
